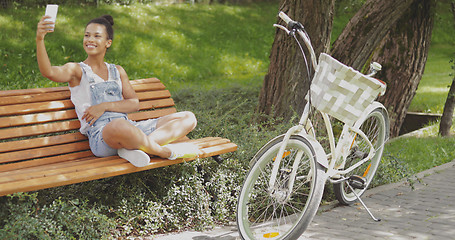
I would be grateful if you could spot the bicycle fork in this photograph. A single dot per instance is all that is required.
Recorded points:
(281, 153)
(279, 157)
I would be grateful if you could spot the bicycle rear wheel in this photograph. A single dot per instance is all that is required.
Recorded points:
(376, 127)
(280, 213)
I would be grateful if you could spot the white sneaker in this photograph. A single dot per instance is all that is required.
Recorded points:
(136, 157)
(183, 150)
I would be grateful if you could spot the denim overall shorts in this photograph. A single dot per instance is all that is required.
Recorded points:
(108, 91)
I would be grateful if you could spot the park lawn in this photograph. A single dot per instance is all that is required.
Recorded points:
(208, 45)
(434, 86)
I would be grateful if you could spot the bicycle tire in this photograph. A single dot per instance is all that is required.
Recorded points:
(376, 127)
(264, 215)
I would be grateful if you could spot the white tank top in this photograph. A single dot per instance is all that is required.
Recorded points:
(81, 95)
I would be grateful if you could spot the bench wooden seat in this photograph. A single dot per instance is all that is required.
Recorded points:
(41, 147)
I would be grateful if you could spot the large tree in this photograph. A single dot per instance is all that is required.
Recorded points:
(284, 86)
(404, 52)
(366, 29)
(400, 30)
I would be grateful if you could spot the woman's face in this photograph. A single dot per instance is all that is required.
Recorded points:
(95, 39)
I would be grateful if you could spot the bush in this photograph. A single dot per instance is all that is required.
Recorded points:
(23, 218)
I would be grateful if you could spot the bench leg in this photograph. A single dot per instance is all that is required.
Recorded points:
(218, 159)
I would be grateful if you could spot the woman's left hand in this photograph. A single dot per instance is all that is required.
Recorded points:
(93, 113)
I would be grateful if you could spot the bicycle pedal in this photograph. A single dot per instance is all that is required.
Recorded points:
(357, 182)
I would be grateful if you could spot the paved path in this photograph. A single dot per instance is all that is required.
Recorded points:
(427, 212)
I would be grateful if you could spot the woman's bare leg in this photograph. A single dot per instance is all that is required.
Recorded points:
(173, 127)
(122, 134)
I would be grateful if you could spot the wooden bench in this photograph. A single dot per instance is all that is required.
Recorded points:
(41, 147)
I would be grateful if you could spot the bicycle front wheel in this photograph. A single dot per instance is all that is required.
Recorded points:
(280, 212)
(376, 128)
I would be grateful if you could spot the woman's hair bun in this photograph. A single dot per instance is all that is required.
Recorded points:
(107, 21)
(109, 18)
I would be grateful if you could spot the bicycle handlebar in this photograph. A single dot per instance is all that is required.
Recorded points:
(285, 17)
(298, 27)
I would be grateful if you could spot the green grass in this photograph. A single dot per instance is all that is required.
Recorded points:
(434, 86)
(422, 153)
(204, 45)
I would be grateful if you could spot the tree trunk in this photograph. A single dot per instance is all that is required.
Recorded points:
(286, 84)
(366, 29)
(447, 114)
(403, 53)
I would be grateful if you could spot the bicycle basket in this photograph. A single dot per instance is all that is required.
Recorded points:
(341, 91)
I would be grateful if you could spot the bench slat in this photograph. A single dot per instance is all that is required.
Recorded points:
(43, 152)
(145, 80)
(138, 116)
(26, 165)
(41, 142)
(34, 130)
(37, 118)
(35, 107)
(149, 95)
(218, 150)
(42, 97)
(55, 169)
(148, 87)
(154, 104)
(31, 91)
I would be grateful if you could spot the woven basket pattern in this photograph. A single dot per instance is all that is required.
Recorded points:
(341, 91)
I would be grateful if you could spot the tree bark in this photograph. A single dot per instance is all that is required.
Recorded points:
(366, 29)
(403, 53)
(286, 84)
(447, 114)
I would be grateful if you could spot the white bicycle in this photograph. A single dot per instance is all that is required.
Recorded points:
(283, 190)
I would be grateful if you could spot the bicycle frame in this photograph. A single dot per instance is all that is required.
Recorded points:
(336, 149)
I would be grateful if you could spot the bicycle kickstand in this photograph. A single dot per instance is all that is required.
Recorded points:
(360, 200)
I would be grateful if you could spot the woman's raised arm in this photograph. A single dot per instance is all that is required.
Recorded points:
(65, 73)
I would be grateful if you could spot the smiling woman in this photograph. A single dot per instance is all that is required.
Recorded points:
(103, 95)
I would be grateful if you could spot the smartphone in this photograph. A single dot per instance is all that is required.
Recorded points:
(51, 10)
